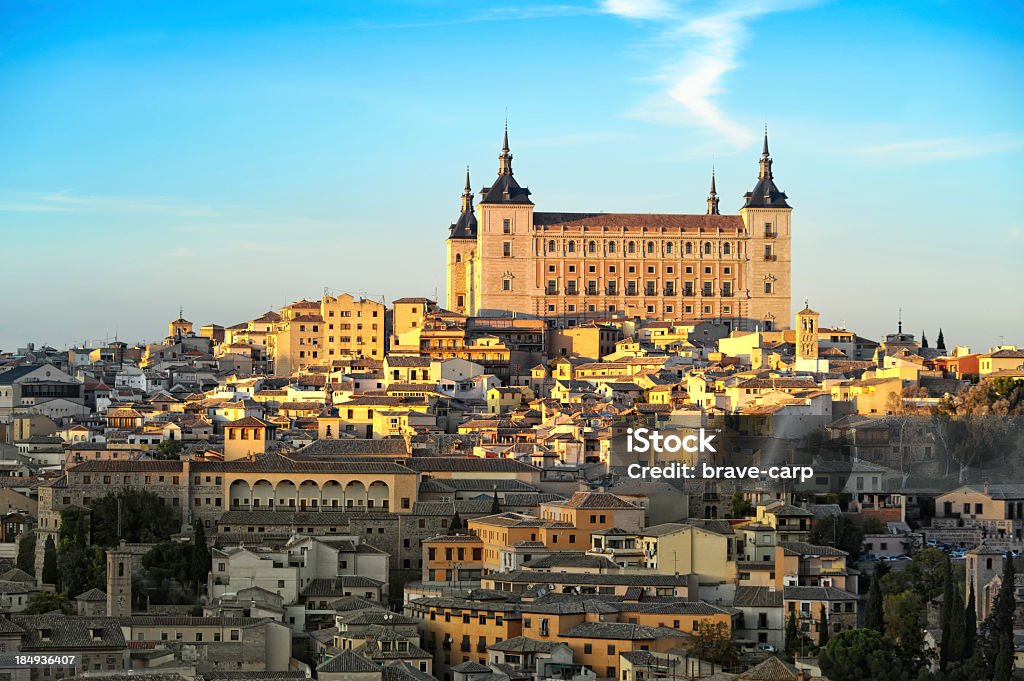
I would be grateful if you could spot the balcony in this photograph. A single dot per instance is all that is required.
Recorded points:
(572, 291)
(670, 291)
(688, 291)
(727, 293)
(465, 647)
(650, 291)
(770, 233)
(631, 291)
(591, 290)
(613, 290)
(551, 291)
(708, 293)
(770, 257)
(481, 647)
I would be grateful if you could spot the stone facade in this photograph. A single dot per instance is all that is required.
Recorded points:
(571, 267)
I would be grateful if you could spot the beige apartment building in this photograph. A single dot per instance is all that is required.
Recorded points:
(570, 267)
(337, 327)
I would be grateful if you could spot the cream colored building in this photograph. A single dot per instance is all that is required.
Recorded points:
(571, 267)
(312, 333)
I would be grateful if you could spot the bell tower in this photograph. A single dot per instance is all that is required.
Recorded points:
(119, 582)
(461, 256)
(807, 334)
(766, 219)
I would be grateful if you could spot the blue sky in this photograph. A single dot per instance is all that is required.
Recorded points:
(231, 157)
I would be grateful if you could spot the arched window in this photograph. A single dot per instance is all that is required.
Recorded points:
(551, 246)
(650, 247)
(707, 248)
(726, 248)
(668, 247)
(458, 257)
(689, 248)
(611, 246)
(592, 247)
(631, 248)
(572, 246)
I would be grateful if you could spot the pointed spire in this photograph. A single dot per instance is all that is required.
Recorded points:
(467, 195)
(713, 195)
(505, 157)
(766, 160)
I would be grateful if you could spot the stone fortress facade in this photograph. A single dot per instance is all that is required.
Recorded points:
(504, 258)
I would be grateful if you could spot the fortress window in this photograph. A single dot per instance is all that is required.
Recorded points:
(551, 246)
(726, 248)
(668, 247)
(689, 248)
(631, 248)
(611, 246)
(506, 284)
(506, 226)
(650, 247)
(506, 248)
(572, 247)
(769, 287)
(707, 248)
(592, 247)
(458, 258)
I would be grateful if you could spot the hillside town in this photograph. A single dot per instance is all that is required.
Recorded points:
(349, 490)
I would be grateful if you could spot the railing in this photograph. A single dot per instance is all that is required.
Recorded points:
(726, 293)
(631, 292)
(770, 257)
(669, 291)
(550, 291)
(613, 290)
(649, 291)
(572, 291)
(591, 290)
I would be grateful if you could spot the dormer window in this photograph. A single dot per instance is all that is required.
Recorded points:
(96, 633)
(46, 634)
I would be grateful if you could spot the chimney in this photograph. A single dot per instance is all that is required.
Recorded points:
(986, 488)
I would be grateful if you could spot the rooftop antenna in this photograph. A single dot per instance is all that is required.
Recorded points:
(900, 318)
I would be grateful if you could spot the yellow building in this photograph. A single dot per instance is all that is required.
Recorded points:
(311, 333)
(571, 267)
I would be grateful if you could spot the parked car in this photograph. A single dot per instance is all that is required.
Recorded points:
(869, 557)
(766, 648)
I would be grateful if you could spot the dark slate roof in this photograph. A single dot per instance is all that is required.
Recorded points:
(465, 227)
(621, 631)
(474, 485)
(505, 190)
(403, 671)
(11, 375)
(18, 575)
(395, 446)
(570, 559)
(92, 595)
(468, 507)
(765, 195)
(817, 593)
(471, 667)
(772, 669)
(757, 597)
(530, 577)
(252, 676)
(522, 644)
(349, 662)
(69, 633)
(346, 603)
(462, 464)
(335, 586)
(275, 463)
(804, 549)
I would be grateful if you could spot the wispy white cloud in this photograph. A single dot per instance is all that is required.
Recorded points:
(706, 44)
(943, 148)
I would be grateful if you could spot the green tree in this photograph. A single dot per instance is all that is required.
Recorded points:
(822, 627)
(971, 625)
(714, 643)
(137, 516)
(51, 574)
(1002, 624)
(741, 508)
(43, 602)
(792, 636)
(873, 614)
(27, 553)
(201, 559)
(940, 342)
(168, 573)
(924, 339)
(168, 449)
(905, 620)
(495, 503)
(945, 651)
(862, 655)
(82, 565)
(456, 524)
(841, 533)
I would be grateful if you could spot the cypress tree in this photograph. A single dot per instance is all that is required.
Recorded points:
(792, 636)
(940, 342)
(971, 625)
(958, 629)
(822, 627)
(924, 339)
(50, 573)
(495, 504)
(1002, 623)
(945, 656)
(873, 618)
(201, 560)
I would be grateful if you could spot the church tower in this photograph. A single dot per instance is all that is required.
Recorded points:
(766, 218)
(807, 334)
(119, 582)
(505, 279)
(461, 253)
